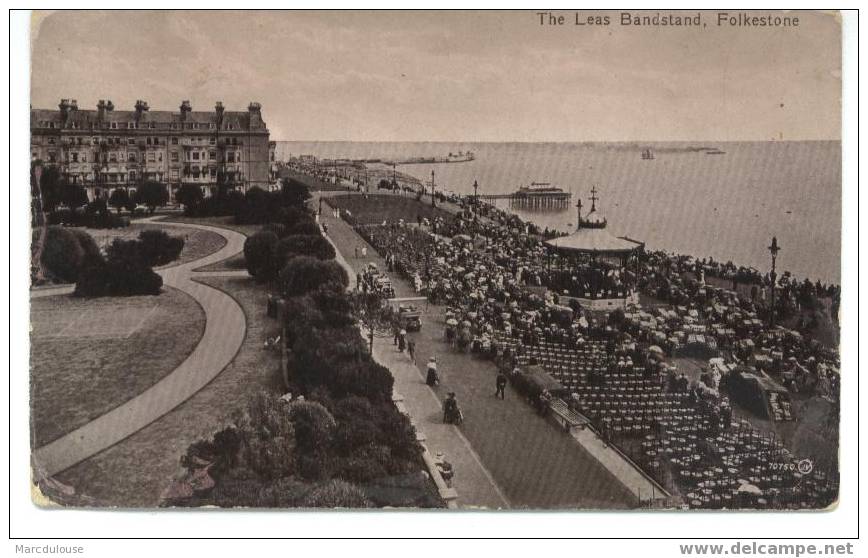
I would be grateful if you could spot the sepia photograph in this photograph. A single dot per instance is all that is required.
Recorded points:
(436, 260)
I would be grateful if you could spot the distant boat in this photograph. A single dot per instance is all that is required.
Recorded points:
(647, 155)
(715, 152)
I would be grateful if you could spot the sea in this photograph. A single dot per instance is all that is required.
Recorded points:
(727, 206)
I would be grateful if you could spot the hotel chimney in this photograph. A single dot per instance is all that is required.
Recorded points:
(185, 109)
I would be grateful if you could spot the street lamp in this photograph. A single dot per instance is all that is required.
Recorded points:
(773, 250)
(432, 187)
(475, 195)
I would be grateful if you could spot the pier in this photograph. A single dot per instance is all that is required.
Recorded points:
(532, 200)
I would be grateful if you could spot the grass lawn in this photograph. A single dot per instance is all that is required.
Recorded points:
(376, 208)
(134, 472)
(90, 355)
(226, 222)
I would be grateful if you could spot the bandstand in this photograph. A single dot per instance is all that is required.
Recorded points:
(593, 266)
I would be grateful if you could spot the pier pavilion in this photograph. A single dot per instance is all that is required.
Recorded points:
(591, 265)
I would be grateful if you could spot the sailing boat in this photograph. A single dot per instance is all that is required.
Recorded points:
(647, 155)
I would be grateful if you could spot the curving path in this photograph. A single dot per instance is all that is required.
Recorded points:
(225, 328)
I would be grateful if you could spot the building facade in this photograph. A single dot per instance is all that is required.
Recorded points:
(104, 149)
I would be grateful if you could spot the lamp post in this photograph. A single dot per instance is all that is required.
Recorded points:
(475, 195)
(432, 187)
(773, 250)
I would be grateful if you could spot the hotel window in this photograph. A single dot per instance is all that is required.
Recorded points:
(131, 157)
(52, 157)
(113, 158)
(174, 156)
(212, 155)
(151, 125)
(174, 174)
(74, 157)
(213, 172)
(151, 157)
(230, 157)
(50, 141)
(114, 125)
(132, 176)
(174, 141)
(212, 141)
(195, 155)
(131, 141)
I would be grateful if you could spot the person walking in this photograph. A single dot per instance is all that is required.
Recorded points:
(500, 382)
(431, 377)
(402, 340)
(411, 350)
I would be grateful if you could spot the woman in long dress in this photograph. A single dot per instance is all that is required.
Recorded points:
(431, 378)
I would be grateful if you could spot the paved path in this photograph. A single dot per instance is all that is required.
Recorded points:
(504, 451)
(474, 484)
(225, 328)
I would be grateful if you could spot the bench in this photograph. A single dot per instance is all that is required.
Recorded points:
(565, 417)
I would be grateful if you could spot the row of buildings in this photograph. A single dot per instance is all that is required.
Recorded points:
(104, 149)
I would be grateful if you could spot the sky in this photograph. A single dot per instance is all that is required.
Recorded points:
(452, 76)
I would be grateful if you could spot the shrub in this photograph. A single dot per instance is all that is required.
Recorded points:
(260, 255)
(159, 248)
(88, 244)
(62, 254)
(314, 425)
(280, 230)
(116, 277)
(314, 245)
(101, 220)
(293, 215)
(336, 494)
(221, 204)
(303, 274)
(305, 226)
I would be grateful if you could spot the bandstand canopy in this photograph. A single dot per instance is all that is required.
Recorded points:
(594, 241)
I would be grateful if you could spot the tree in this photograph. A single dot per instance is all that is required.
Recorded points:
(260, 255)
(189, 195)
(73, 195)
(305, 245)
(294, 192)
(119, 199)
(50, 185)
(303, 274)
(152, 194)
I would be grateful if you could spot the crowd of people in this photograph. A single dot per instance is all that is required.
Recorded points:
(504, 298)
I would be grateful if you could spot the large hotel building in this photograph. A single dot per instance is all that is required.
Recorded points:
(104, 149)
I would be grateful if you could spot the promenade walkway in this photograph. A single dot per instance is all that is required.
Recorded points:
(474, 484)
(224, 332)
(503, 451)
